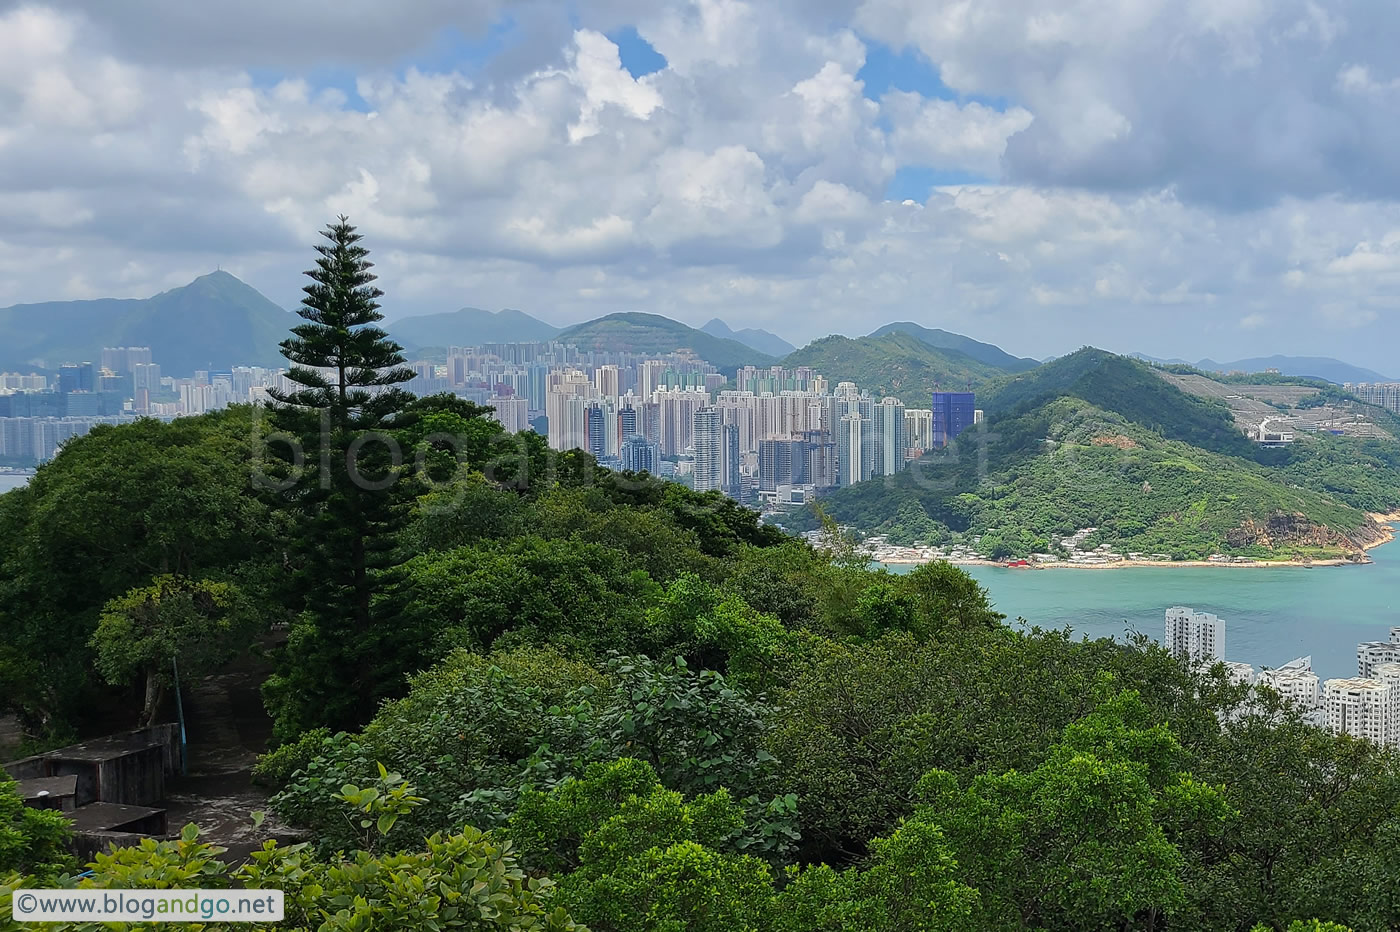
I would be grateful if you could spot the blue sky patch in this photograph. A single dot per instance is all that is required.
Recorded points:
(914, 182)
(887, 70)
(637, 54)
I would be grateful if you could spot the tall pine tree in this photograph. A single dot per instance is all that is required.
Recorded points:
(347, 493)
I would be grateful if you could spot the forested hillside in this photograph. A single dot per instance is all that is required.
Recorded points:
(651, 333)
(941, 339)
(897, 364)
(514, 691)
(1094, 440)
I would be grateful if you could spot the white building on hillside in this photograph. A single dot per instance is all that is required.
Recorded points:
(1196, 637)
(1240, 672)
(1296, 682)
(1371, 653)
(1361, 707)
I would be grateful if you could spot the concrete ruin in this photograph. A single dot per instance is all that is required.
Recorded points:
(110, 788)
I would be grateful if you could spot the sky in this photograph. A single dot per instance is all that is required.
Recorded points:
(1183, 178)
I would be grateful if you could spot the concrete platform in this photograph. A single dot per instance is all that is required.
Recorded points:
(112, 817)
(49, 792)
(128, 768)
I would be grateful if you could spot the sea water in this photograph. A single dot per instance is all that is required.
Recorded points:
(1271, 614)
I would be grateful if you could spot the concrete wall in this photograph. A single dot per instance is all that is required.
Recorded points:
(27, 768)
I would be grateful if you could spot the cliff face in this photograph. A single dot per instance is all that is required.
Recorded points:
(1283, 530)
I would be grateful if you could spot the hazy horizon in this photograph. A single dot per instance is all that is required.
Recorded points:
(1181, 180)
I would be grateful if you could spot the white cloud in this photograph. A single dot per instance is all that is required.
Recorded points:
(1239, 103)
(598, 69)
(944, 134)
(1167, 176)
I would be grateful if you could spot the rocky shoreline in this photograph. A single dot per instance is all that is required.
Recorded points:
(1383, 525)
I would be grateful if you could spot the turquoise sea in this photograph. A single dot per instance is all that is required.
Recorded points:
(1271, 615)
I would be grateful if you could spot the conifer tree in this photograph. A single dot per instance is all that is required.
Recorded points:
(347, 491)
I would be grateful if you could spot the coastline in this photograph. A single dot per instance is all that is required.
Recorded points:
(1387, 523)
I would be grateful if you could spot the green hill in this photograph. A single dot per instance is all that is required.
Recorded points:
(896, 364)
(942, 339)
(1069, 465)
(652, 333)
(470, 326)
(1126, 387)
(213, 322)
(1100, 441)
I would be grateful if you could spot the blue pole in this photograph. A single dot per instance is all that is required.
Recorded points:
(180, 715)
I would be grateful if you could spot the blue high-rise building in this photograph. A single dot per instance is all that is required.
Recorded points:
(640, 455)
(597, 430)
(729, 459)
(953, 413)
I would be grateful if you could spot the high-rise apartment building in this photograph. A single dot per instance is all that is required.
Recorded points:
(953, 413)
(678, 409)
(1384, 394)
(918, 430)
(783, 462)
(566, 407)
(730, 459)
(1196, 637)
(1371, 653)
(1296, 682)
(1361, 707)
(822, 469)
(596, 419)
(511, 412)
(123, 360)
(638, 454)
(608, 381)
(853, 450)
(707, 441)
(887, 446)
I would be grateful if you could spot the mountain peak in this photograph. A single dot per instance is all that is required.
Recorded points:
(214, 321)
(761, 340)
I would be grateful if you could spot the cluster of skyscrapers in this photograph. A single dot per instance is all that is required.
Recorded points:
(38, 412)
(776, 434)
(1383, 394)
(1364, 706)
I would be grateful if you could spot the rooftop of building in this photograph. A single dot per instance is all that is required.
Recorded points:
(1355, 684)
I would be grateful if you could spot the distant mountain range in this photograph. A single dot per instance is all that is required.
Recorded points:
(215, 321)
(1312, 367)
(652, 333)
(768, 343)
(942, 339)
(468, 327)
